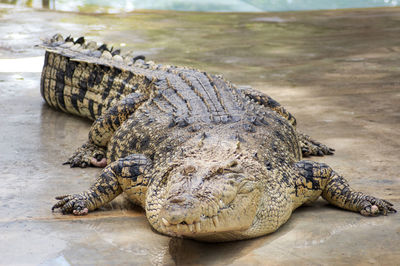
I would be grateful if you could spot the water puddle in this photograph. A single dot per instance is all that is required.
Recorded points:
(27, 64)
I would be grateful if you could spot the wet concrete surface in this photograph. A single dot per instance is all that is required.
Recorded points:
(337, 71)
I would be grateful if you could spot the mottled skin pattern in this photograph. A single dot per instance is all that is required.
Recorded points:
(206, 159)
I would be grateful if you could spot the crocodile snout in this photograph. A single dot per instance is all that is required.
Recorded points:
(180, 209)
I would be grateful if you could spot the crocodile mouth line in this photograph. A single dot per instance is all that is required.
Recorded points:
(195, 227)
(211, 223)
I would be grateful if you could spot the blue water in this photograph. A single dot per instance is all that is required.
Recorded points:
(117, 6)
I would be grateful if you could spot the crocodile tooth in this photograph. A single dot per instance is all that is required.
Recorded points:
(163, 227)
(179, 227)
(106, 55)
(118, 58)
(191, 227)
(221, 204)
(198, 226)
(165, 222)
(215, 209)
(215, 221)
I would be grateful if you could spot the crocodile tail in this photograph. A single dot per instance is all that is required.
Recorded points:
(83, 79)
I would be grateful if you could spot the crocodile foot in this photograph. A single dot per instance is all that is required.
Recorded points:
(88, 154)
(373, 206)
(310, 147)
(76, 204)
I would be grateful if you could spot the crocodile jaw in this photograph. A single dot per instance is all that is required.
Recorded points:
(203, 220)
(230, 220)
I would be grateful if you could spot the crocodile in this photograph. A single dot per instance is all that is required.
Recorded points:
(206, 159)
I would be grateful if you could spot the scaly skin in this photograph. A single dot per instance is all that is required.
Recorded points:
(207, 160)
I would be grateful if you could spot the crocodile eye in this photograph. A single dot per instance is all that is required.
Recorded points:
(216, 171)
(233, 167)
(232, 163)
(190, 169)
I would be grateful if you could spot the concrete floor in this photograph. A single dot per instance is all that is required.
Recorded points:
(337, 71)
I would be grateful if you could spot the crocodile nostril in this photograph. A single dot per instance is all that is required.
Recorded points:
(177, 200)
(181, 208)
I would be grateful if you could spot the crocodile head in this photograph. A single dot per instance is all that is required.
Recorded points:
(209, 193)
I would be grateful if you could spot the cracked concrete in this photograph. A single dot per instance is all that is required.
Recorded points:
(337, 71)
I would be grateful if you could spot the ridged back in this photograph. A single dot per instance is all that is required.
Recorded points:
(81, 79)
(191, 95)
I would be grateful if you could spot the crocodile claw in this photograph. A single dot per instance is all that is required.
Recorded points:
(87, 155)
(75, 204)
(310, 147)
(374, 207)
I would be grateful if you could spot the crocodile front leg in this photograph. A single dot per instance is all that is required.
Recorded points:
(88, 154)
(93, 151)
(318, 179)
(126, 174)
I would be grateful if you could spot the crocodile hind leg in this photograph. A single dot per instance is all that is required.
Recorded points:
(309, 146)
(126, 174)
(93, 151)
(267, 101)
(317, 179)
